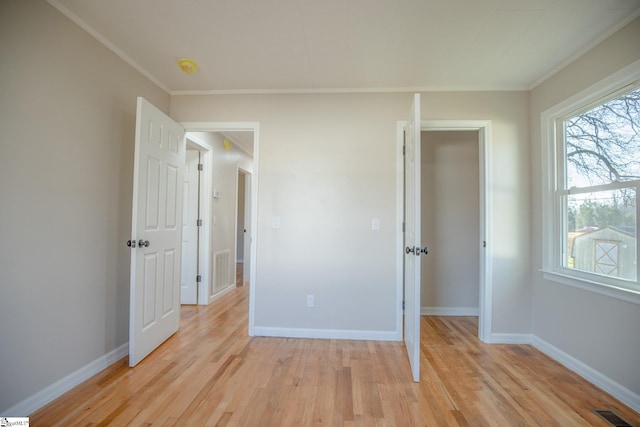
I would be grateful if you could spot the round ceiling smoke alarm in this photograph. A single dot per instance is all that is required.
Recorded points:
(188, 66)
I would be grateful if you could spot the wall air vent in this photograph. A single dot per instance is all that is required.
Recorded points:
(612, 418)
(221, 271)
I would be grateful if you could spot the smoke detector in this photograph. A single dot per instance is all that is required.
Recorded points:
(188, 66)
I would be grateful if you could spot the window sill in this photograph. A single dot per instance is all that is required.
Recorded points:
(611, 291)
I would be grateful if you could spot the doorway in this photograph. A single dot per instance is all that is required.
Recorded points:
(250, 133)
(450, 223)
(224, 154)
(483, 129)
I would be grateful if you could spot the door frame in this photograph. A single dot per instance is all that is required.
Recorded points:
(230, 127)
(204, 232)
(246, 273)
(192, 146)
(486, 218)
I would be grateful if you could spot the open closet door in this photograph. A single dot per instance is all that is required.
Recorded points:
(412, 238)
(155, 231)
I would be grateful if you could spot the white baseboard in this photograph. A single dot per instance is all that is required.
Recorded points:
(449, 311)
(339, 334)
(60, 387)
(623, 394)
(509, 339)
(620, 392)
(222, 292)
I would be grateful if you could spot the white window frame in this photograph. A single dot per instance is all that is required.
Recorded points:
(552, 187)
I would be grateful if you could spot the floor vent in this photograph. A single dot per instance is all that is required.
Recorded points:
(221, 271)
(612, 418)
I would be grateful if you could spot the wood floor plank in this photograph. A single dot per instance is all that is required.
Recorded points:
(211, 373)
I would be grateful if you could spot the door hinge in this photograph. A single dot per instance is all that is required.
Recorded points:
(199, 223)
(198, 278)
(200, 166)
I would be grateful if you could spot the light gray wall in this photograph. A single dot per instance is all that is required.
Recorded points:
(450, 227)
(67, 114)
(599, 331)
(327, 166)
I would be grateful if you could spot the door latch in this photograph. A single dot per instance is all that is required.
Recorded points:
(131, 243)
(416, 250)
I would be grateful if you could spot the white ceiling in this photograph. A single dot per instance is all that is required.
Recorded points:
(242, 139)
(349, 45)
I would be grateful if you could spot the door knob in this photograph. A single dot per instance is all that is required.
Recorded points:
(425, 250)
(144, 243)
(409, 250)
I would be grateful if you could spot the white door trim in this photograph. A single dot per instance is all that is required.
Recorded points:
(246, 274)
(228, 127)
(486, 218)
(191, 212)
(204, 246)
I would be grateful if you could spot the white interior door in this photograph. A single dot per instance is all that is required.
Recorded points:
(156, 227)
(412, 238)
(190, 215)
(246, 270)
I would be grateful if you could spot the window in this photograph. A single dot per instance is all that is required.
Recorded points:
(593, 178)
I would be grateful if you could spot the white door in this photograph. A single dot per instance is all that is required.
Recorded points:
(247, 231)
(190, 216)
(412, 238)
(154, 311)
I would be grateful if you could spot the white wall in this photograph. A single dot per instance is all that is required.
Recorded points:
(598, 331)
(450, 222)
(67, 114)
(327, 167)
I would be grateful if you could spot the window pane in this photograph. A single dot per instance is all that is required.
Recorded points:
(602, 145)
(601, 233)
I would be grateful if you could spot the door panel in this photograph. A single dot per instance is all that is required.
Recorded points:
(152, 200)
(156, 248)
(172, 198)
(169, 282)
(149, 293)
(412, 239)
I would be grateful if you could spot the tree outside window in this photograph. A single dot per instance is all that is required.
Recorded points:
(601, 177)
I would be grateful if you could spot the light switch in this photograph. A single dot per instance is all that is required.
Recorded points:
(375, 224)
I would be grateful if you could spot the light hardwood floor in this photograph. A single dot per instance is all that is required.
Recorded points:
(212, 374)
